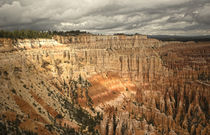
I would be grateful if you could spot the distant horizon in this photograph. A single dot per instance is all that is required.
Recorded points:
(109, 34)
(148, 17)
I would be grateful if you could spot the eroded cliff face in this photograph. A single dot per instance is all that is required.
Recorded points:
(140, 85)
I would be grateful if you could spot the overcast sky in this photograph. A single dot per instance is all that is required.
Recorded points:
(174, 17)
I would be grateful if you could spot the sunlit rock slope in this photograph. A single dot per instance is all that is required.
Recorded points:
(109, 85)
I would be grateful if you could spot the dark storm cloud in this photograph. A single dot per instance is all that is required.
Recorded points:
(108, 16)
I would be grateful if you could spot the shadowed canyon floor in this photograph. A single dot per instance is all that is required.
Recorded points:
(108, 85)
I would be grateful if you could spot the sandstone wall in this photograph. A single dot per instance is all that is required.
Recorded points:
(19, 44)
(171, 79)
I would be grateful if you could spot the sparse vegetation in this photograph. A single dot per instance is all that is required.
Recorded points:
(14, 91)
(12, 127)
(76, 85)
(81, 116)
(85, 120)
(59, 116)
(203, 76)
(34, 105)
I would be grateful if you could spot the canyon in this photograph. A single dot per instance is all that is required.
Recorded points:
(104, 84)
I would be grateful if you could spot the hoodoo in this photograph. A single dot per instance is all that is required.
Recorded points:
(108, 85)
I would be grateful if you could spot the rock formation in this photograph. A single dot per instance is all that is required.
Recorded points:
(139, 85)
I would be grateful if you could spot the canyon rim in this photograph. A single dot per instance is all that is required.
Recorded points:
(108, 67)
(95, 84)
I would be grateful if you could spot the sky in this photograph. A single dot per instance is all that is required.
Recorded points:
(150, 17)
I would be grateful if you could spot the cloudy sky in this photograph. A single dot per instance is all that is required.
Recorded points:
(173, 17)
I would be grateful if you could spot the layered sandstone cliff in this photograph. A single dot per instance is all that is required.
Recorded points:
(140, 85)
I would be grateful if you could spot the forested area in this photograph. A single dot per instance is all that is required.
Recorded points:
(23, 34)
(31, 34)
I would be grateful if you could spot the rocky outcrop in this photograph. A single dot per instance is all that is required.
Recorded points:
(35, 43)
(7, 45)
(141, 85)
